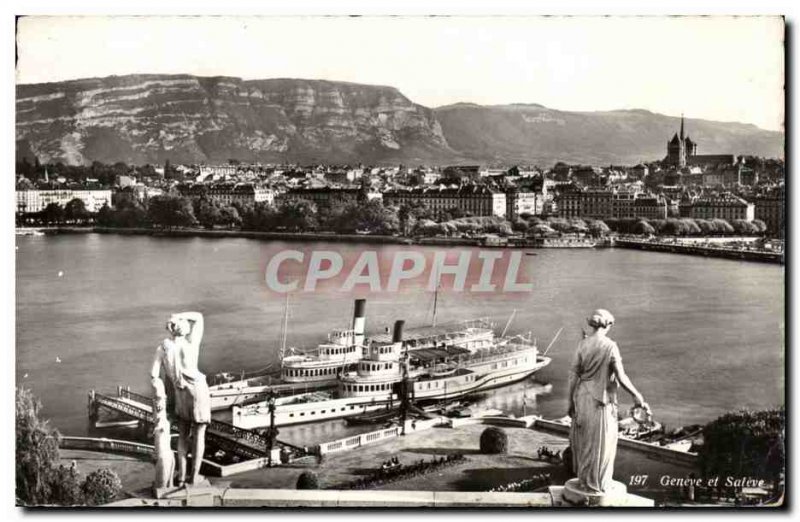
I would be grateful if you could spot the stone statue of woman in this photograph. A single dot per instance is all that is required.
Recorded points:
(595, 375)
(186, 388)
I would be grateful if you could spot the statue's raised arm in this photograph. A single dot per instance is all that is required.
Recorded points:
(196, 326)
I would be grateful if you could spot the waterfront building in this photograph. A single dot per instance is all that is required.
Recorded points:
(569, 200)
(650, 207)
(622, 203)
(476, 200)
(726, 206)
(771, 209)
(32, 200)
(527, 198)
(323, 196)
(229, 193)
(608, 203)
(685, 205)
(597, 203)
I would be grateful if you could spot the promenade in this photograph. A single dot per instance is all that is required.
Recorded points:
(677, 247)
(476, 473)
(715, 246)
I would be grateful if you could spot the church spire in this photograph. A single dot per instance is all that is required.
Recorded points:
(681, 126)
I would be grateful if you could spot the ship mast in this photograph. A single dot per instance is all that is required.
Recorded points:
(435, 302)
(284, 327)
(508, 323)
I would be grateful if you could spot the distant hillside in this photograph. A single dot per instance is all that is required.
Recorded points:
(183, 118)
(538, 135)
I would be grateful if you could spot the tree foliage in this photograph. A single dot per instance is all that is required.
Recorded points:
(643, 228)
(171, 212)
(211, 213)
(745, 444)
(52, 214)
(307, 480)
(100, 487)
(36, 451)
(75, 211)
(40, 478)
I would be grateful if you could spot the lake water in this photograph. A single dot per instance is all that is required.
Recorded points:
(698, 336)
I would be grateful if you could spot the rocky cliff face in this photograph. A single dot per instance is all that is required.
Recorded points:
(151, 118)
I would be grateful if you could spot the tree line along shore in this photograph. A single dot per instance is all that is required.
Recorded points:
(181, 215)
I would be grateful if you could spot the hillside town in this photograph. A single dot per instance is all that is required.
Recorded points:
(682, 194)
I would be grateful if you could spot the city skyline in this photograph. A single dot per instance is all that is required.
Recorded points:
(677, 65)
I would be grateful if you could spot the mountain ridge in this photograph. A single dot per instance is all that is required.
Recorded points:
(148, 118)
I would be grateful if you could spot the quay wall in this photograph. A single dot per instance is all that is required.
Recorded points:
(106, 445)
(651, 450)
(708, 251)
(372, 437)
(531, 422)
(284, 498)
(147, 452)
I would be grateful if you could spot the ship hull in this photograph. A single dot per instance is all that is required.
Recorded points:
(224, 396)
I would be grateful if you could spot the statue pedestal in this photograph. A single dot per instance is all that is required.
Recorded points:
(184, 491)
(571, 494)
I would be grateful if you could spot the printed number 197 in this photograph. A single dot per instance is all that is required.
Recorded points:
(638, 480)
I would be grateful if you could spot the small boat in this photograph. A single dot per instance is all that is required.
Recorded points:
(374, 417)
(117, 424)
(29, 232)
(684, 445)
(442, 370)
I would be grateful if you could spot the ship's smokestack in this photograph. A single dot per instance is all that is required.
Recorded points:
(397, 336)
(359, 321)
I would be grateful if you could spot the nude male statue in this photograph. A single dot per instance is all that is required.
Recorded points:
(175, 364)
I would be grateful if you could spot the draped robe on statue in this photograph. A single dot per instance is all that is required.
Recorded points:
(593, 436)
(188, 396)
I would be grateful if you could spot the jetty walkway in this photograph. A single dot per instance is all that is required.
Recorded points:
(245, 444)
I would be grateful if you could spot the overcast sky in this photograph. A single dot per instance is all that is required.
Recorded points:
(718, 68)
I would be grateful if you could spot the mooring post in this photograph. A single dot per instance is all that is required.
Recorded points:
(92, 406)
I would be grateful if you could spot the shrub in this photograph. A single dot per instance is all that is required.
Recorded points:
(307, 480)
(745, 443)
(493, 441)
(65, 487)
(101, 487)
(36, 451)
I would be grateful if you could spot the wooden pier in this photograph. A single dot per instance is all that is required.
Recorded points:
(245, 444)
